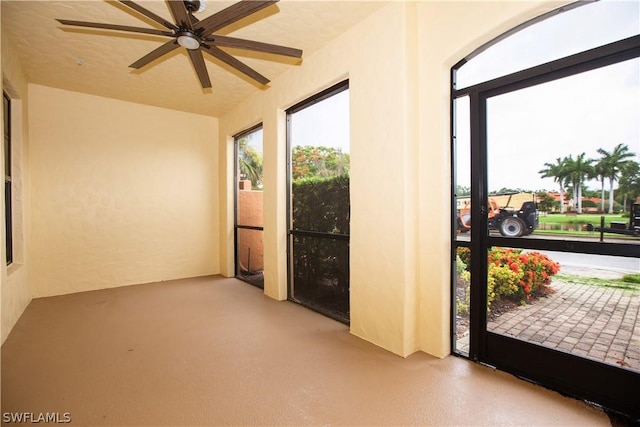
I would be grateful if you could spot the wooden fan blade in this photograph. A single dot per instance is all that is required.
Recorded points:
(180, 13)
(225, 41)
(160, 20)
(157, 53)
(201, 69)
(116, 27)
(233, 62)
(231, 14)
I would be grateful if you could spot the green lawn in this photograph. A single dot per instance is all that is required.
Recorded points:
(593, 234)
(580, 219)
(594, 281)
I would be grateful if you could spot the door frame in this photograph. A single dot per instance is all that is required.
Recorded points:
(610, 386)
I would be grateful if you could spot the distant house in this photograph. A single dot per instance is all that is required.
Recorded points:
(569, 202)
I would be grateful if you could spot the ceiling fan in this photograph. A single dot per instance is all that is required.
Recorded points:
(197, 36)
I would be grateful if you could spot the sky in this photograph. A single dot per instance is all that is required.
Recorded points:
(581, 113)
(254, 140)
(323, 124)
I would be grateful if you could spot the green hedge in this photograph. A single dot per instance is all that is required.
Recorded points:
(321, 204)
(321, 265)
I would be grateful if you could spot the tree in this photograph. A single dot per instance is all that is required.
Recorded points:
(577, 170)
(601, 169)
(558, 172)
(588, 193)
(462, 191)
(250, 162)
(545, 202)
(612, 163)
(506, 190)
(323, 162)
(629, 184)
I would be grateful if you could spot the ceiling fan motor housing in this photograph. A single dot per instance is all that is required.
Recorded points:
(193, 6)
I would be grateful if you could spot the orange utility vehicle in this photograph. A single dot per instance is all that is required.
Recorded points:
(508, 221)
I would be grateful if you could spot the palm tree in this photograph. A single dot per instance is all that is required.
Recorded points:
(614, 161)
(578, 170)
(250, 162)
(557, 171)
(600, 170)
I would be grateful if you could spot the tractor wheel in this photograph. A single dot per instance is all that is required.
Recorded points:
(512, 226)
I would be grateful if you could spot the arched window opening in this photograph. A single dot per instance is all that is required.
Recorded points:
(546, 202)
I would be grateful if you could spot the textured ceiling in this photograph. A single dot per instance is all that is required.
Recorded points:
(97, 61)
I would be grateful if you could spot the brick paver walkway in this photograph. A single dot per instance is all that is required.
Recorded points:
(591, 321)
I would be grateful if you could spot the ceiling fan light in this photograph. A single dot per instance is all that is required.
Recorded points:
(188, 40)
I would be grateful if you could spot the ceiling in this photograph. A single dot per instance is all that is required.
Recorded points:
(97, 61)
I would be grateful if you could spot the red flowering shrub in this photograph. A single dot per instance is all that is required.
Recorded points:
(534, 271)
(514, 274)
(465, 255)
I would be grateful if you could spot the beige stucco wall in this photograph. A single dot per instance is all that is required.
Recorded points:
(122, 193)
(398, 62)
(14, 280)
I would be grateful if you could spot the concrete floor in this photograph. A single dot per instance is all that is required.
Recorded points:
(216, 351)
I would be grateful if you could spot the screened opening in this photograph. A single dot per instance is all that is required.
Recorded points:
(318, 138)
(249, 250)
(546, 202)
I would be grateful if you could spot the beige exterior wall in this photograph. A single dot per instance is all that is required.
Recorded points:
(398, 62)
(250, 246)
(15, 279)
(122, 193)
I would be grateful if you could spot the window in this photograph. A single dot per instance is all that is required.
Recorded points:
(6, 104)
